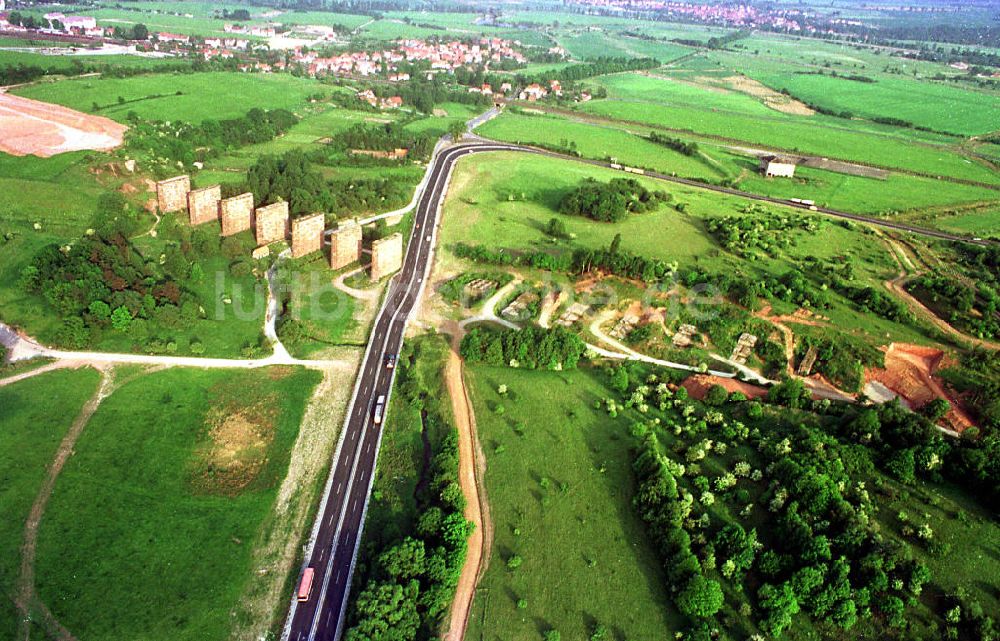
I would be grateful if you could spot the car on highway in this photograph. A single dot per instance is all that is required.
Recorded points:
(306, 584)
(390, 361)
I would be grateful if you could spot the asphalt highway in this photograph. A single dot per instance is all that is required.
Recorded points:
(340, 520)
(339, 523)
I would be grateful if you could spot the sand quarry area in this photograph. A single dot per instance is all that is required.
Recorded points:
(30, 127)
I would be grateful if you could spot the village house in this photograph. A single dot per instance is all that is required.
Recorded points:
(173, 37)
(533, 92)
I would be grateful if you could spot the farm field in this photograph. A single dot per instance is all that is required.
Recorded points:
(596, 44)
(36, 415)
(643, 99)
(75, 64)
(172, 510)
(560, 491)
(177, 96)
(926, 103)
(830, 189)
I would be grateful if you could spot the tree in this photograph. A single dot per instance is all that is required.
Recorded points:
(121, 318)
(780, 604)
(140, 32)
(936, 409)
(716, 395)
(100, 310)
(791, 393)
(700, 597)
(902, 465)
(616, 244)
(619, 379)
(456, 130)
(405, 560)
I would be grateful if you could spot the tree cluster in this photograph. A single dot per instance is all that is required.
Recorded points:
(531, 347)
(386, 137)
(101, 284)
(611, 201)
(185, 142)
(686, 147)
(293, 178)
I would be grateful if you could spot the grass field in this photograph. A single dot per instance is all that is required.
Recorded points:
(78, 63)
(177, 96)
(29, 187)
(560, 498)
(683, 106)
(597, 44)
(169, 488)
(477, 211)
(36, 415)
(901, 94)
(849, 193)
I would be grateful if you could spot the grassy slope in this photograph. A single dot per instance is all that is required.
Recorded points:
(585, 555)
(174, 556)
(36, 414)
(901, 89)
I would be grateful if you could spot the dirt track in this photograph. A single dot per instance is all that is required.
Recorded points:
(26, 599)
(470, 472)
(30, 127)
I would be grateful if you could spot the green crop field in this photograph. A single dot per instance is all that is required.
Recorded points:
(801, 136)
(939, 106)
(177, 96)
(36, 415)
(597, 44)
(80, 62)
(169, 488)
(560, 491)
(839, 191)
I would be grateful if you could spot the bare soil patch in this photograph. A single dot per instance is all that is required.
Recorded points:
(771, 98)
(909, 372)
(30, 127)
(698, 385)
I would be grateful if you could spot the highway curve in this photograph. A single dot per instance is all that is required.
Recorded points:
(333, 545)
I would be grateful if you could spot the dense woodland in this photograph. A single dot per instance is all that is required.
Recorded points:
(386, 137)
(707, 476)
(293, 178)
(531, 347)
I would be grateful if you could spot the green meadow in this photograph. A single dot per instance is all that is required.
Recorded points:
(627, 144)
(934, 104)
(495, 201)
(560, 486)
(168, 489)
(189, 97)
(36, 416)
(736, 117)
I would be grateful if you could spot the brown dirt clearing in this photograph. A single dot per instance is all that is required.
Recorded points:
(910, 372)
(30, 127)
